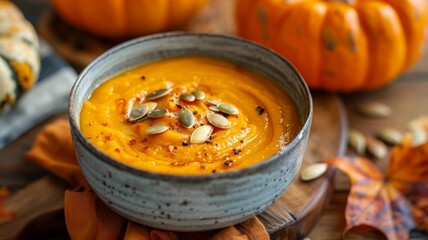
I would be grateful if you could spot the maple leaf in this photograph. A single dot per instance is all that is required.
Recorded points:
(4, 192)
(395, 202)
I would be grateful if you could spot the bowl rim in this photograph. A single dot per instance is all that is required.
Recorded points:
(145, 173)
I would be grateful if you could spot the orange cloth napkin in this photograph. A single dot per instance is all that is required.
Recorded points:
(87, 217)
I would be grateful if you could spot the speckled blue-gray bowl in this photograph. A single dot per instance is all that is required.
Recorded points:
(179, 202)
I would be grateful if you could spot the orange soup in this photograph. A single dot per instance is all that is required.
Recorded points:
(190, 115)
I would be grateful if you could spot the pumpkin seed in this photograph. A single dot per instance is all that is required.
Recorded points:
(158, 93)
(150, 106)
(212, 102)
(186, 118)
(198, 94)
(390, 136)
(419, 122)
(357, 141)
(376, 148)
(187, 97)
(201, 134)
(375, 109)
(218, 120)
(137, 113)
(419, 136)
(213, 108)
(313, 171)
(158, 113)
(156, 129)
(228, 109)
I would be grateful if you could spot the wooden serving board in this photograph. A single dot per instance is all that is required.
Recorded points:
(38, 196)
(40, 203)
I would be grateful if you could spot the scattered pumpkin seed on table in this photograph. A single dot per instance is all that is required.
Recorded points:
(313, 171)
(357, 141)
(156, 129)
(374, 109)
(201, 134)
(419, 136)
(390, 136)
(186, 118)
(218, 120)
(376, 148)
(158, 93)
(137, 113)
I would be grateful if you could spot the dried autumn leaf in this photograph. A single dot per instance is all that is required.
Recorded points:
(4, 193)
(394, 202)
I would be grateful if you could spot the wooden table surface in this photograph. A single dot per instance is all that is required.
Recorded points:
(408, 97)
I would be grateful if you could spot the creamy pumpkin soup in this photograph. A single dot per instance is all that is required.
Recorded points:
(189, 115)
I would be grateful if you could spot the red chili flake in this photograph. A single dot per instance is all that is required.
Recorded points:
(236, 151)
(139, 98)
(117, 150)
(145, 148)
(143, 77)
(214, 171)
(241, 141)
(105, 124)
(203, 166)
(132, 142)
(108, 137)
(260, 110)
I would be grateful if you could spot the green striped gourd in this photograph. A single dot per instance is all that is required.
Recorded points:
(19, 57)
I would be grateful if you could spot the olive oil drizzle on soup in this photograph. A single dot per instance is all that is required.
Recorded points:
(189, 115)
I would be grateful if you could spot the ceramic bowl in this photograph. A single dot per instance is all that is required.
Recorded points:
(180, 202)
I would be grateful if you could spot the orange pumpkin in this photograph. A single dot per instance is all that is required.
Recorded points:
(339, 45)
(126, 18)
